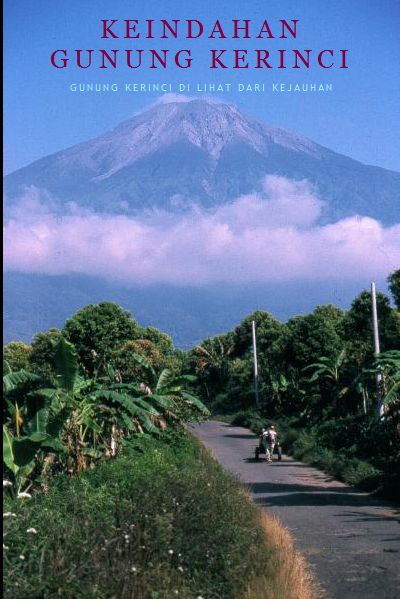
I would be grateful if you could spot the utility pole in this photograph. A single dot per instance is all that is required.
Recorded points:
(377, 349)
(255, 363)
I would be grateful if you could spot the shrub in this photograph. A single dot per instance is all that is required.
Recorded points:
(354, 449)
(250, 419)
(390, 482)
(304, 445)
(17, 354)
(221, 405)
(161, 517)
(361, 474)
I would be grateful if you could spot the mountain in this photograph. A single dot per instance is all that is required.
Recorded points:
(179, 153)
(36, 303)
(169, 157)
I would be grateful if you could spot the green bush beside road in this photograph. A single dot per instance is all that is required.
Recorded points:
(161, 520)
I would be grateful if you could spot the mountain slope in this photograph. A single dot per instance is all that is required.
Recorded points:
(36, 303)
(178, 153)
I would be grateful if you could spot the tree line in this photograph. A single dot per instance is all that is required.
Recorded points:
(318, 364)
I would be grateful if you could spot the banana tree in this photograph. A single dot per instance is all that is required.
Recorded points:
(103, 414)
(388, 364)
(167, 393)
(279, 384)
(14, 385)
(92, 413)
(329, 370)
(122, 411)
(26, 431)
(212, 362)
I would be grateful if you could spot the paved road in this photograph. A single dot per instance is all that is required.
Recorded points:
(352, 540)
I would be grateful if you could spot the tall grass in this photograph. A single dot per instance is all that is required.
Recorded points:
(161, 520)
(288, 575)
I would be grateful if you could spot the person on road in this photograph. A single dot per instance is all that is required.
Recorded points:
(271, 440)
(262, 441)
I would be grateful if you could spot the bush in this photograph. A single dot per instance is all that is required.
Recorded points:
(339, 447)
(362, 474)
(222, 404)
(304, 446)
(288, 437)
(162, 517)
(390, 483)
(250, 419)
(17, 355)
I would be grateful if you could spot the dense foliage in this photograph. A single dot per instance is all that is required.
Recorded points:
(315, 369)
(161, 518)
(72, 397)
(394, 286)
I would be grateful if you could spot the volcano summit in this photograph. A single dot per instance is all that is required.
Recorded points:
(205, 153)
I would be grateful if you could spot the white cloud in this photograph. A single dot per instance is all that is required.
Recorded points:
(273, 235)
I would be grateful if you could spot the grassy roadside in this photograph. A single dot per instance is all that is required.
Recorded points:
(336, 448)
(162, 520)
(289, 574)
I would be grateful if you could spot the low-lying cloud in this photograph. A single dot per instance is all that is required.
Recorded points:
(270, 236)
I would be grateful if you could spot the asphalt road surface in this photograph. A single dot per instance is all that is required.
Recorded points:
(351, 539)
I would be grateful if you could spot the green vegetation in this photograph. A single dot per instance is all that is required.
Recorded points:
(318, 372)
(159, 521)
(74, 401)
(106, 493)
(394, 286)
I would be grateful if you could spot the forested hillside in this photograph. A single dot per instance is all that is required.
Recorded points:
(317, 378)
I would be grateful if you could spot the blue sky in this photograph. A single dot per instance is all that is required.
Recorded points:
(360, 118)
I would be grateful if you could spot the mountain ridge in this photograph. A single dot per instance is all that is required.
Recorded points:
(35, 303)
(206, 153)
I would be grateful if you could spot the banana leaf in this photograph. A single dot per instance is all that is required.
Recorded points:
(143, 362)
(194, 401)
(38, 422)
(8, 451)
(88, 421)
(127, 422)
(26, 448)
(56, 421)
(165, 378)
(66, 360)
(146, 406)
(128, 403)
(13, 380)
(167, 403)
